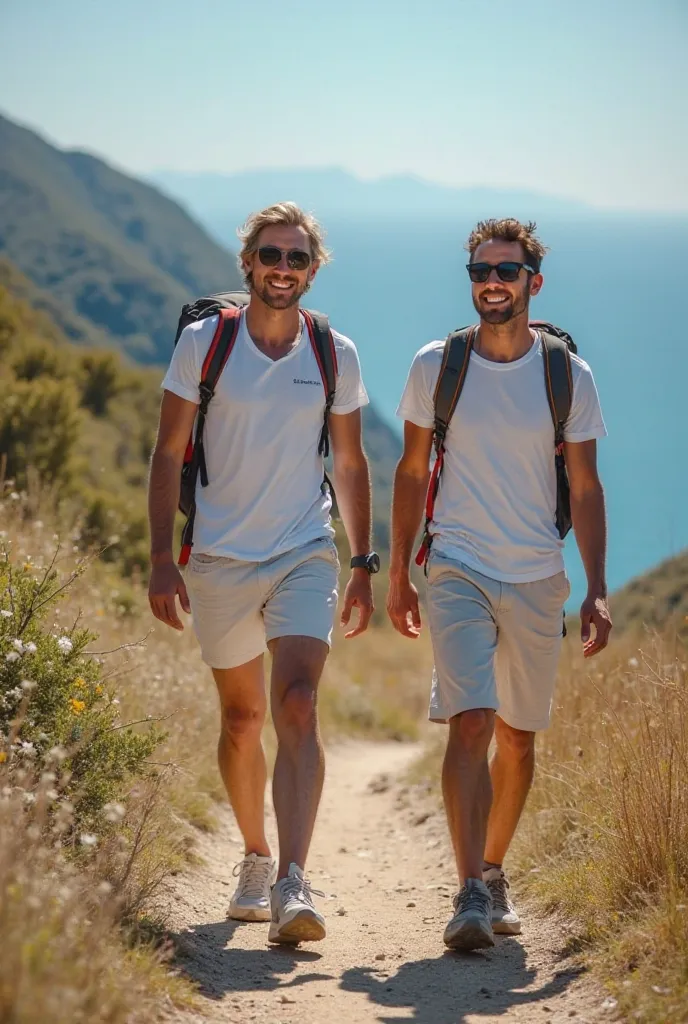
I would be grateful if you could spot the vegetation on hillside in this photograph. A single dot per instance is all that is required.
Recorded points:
(109, 249)
(656, 600)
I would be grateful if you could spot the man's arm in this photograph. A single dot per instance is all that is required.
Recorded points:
(176, 422)
(410, 487)
(351, 479)
(590, 527)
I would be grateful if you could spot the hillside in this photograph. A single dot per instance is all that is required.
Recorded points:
(108, 249)
(655, 600)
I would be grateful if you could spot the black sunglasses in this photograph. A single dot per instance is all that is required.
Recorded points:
(506, 271)
(271, 256)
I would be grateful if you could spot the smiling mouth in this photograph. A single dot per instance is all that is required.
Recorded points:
(495, 300)
(282, 286)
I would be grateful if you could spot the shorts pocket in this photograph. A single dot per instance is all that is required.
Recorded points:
(201, 564)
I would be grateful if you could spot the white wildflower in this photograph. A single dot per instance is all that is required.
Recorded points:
(115, 700)
(65, 644)
(14, 496)
(633, 662)
(104, 888)
(5, 613)
(27, 685)
(18, 645)
(13, 656)
(114, 811)
(88, 839)
(27, 749)
(29, 798)
(30, 648)
(56, 754)
(48, 777)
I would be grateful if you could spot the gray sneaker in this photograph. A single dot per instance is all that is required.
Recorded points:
(471, 926)
(294, 917)
(505, 920)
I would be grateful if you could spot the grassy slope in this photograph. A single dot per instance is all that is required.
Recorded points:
(657, 600)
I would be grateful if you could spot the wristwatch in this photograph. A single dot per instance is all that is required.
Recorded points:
(370, 562)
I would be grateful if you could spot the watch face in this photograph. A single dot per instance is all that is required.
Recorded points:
(373, 562)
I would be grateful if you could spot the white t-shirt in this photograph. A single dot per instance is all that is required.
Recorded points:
(264, 494)
(496, 505)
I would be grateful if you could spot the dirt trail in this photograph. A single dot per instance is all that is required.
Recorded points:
(389, 878)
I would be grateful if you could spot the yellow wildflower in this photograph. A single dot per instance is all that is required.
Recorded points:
(80, 683)
(77, 705)
(3, 756)
(99, 690)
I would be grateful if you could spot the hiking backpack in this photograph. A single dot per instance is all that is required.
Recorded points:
(227, 306)
(557, 347)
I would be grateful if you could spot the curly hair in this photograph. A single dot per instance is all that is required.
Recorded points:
(508, 229)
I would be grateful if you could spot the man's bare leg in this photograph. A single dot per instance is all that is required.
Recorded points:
(466, 788)
(511, 770)
(240, 752)
(299, 773)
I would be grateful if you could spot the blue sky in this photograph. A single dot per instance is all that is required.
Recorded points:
(587, 99)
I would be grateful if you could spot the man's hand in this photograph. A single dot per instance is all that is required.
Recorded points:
(166, 583)
(594, 612)
(358, 594)
(402, 607)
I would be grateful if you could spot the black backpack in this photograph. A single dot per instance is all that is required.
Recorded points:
(557, 349)
(227, 306)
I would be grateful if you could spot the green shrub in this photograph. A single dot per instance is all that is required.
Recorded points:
(100, 380)
(56, 710)
(39, 428)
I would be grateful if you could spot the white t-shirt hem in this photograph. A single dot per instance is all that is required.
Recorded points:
(419, 421)
(181, 391)
(543, 572)
(587, 435)
(343, 410)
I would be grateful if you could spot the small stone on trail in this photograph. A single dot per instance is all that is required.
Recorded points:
(380, 956)
(341, 912)
(380, 784)
(342, 849)
(609, 1004)
(421, 818)
(427, 920)
(410, 904)
(286, 999)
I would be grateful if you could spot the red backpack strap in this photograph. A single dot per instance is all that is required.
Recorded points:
(325, 353)
(450, 382)
(194, 466)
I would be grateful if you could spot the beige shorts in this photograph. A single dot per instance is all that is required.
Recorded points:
(496, 645)
(238, 607)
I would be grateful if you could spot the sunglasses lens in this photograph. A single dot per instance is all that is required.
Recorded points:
(479, 272)
(269, 255)
(297, 259)
(508, 271)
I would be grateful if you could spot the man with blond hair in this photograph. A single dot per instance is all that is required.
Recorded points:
(496, 579)
(263, 572)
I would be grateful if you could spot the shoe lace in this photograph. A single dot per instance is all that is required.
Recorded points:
(254, 877)
(299, 889)
(472, 898)
(498, 890)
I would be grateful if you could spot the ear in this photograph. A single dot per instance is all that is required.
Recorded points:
(247, 262)
(313, 270)
(536, 283)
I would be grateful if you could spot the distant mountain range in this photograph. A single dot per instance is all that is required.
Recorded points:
(221, 200)
(110, 251)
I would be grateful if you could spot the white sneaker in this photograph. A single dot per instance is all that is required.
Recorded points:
(251, 901)
(471, 926)
(505, 920)
(294, 918)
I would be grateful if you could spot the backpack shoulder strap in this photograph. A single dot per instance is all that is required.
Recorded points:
(451, 379)
(558, 381)
(220, 348)
(325, 353)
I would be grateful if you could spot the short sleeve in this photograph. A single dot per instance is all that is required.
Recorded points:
(184, 373)
(585, 422)
(416, 402)
(350, 393)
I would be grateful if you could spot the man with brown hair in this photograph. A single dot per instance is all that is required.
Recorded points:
(264, 568)
(496, 579)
